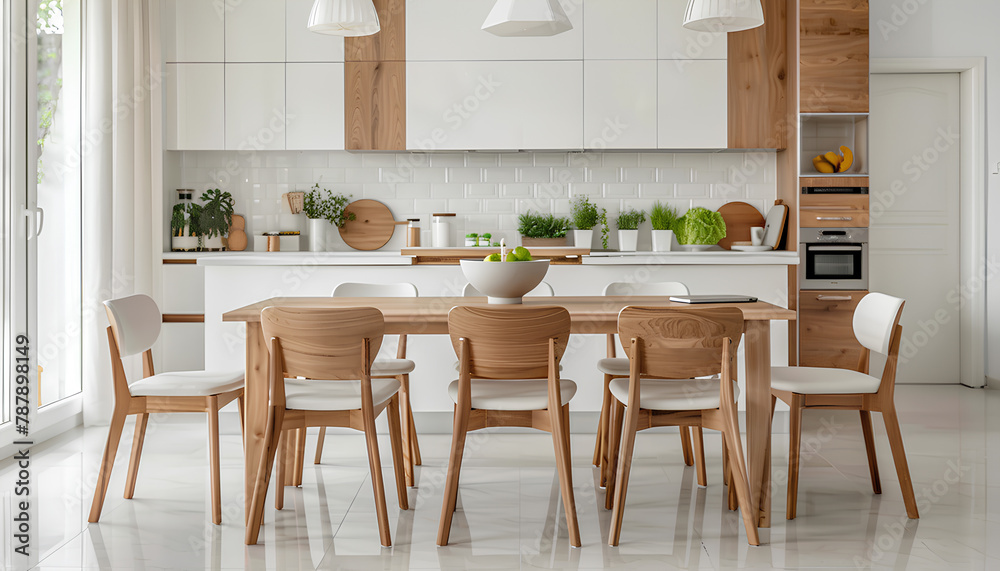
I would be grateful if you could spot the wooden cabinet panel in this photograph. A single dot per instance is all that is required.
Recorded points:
(826, 331)
(758, 83)
(833, 54)
(834, 210)
(375, 83)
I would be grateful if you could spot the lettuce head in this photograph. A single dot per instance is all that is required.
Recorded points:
(700, 226)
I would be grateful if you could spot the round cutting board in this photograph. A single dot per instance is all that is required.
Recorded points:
(740, 217)
(372, 226)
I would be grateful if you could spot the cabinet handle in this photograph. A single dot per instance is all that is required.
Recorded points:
(834, 298)
(836, 218)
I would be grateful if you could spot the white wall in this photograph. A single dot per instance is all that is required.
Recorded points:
(956, 28)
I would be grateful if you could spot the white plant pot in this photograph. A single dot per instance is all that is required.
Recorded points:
(317, 229)
(184, 243)
(662, 240)
(627, 240)
(583, 238)
(213, 243)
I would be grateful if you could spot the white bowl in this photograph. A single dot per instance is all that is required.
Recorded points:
(504, 282)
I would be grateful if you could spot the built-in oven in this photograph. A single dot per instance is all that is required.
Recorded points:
(833, 258)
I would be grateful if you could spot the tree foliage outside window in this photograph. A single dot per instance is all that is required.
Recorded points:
(49, 29)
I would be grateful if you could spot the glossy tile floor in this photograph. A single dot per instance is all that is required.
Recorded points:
(510, 516)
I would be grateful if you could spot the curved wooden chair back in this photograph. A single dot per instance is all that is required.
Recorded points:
(323, 343)
(680, 343)
(509, 342)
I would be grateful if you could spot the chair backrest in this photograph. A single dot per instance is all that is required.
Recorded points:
(655, 288)
(541, 290)
(509, 342)
(875, 320)
(680, 343)
(355, 289)
(323, 343)
(135, 321)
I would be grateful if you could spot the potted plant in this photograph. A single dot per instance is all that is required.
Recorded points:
(699, 229)
(184, 222)
(322, 211)
(628, 229)
(472, 239)
(542, 229)
(662, 217)
(586, 216)
(215, 218)
(485, 239)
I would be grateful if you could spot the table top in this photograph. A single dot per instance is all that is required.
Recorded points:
(589, 314)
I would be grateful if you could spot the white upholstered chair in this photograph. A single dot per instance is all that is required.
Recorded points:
(135, 326)
(876, 326)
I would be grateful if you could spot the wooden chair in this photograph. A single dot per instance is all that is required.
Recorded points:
(615, 367)
(332, 350)
(509, 376)
(541, 290)
(876, 326)
(135, 326)
(668, 343)
(399, 367)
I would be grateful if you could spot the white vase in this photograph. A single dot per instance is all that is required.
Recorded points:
(184, 243)
(583, 238)
(317, 234)
(213, 243)
(627, 240)
(662, 240)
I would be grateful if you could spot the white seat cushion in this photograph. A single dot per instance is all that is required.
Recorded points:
(307, 394)
(616, 366)
(822, 381)
(392, 367)
(673, 394)
(513, 394)
(187, 384)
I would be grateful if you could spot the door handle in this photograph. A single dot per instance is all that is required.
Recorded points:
(834, 298)
(39, 220)
(35, 219)
(836, 218)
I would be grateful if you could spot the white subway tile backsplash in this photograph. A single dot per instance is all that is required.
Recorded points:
(697, 161)
(728, 191)
(394, 175)
(460, 205)
(621, 159)
(569, 174)
(430, 205)
(692, 190)
(413, 190)
(517, 159)
(326, 176)
(637, 174)
(674, 174)
(447, 159)
(481, 191)
(656, 190)
(447, 190)
(550, 159)
(621, 190)
(465, 174)
(500, 174)
(344, 159)
(378, 159)
(587, 159)
(591, 189)
(312, 159)
(604, 175)
(711, 176)
(659, 160)
(499, 206)
(517, 190)
(760, 191)
(541, 205)
(430, 175)
(361, 175)
(482, 160)
(534, 174)
(413, 160)
(551, 190)
(376, 191)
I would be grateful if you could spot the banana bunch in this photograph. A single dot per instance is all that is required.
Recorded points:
(831, 162)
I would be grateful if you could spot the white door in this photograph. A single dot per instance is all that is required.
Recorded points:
(915, 200)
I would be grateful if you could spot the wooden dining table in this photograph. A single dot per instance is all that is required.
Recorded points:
(589, 315)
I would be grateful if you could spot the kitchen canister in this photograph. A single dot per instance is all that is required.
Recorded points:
(412, 232)
(441, 229)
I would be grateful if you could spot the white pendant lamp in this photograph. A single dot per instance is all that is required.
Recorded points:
(723, 15)
(349, 18)
(527, 18)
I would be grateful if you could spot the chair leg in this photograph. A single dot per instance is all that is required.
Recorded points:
(454, 468)
(686, 445)
(239, 405)
(407, 436)
(614, 428)
(699, 455)
(794, 442)
(378, 485)
(601, 444)
(398, 455)
(107, 462)
(738, 471)
(279, 491)
(320, 440)
(624, 468)
(564, 464)
(899, 458)
(272, 433)
(300, 456)
(133, 466)
(869, 434)
(213, 458)
(414, 445)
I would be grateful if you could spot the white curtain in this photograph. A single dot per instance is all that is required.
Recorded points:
(122, 175)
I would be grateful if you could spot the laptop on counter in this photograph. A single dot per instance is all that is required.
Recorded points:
(713, 298)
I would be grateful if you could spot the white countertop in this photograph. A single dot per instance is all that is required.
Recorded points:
(710, 257)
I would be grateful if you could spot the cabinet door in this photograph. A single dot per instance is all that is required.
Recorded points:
(182, 347)
(315, 106)
(193, 31)
(255, 106)
(450, 30)
(833, 57)
(303, 45)
(619, 29)
(183, 289)
(255, 31)
(826, 330)
(500, 105)
(692, 111)
(619, 104)
(678, 42)
(195, 106)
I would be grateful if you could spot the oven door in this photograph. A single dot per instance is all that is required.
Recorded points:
(835, 266)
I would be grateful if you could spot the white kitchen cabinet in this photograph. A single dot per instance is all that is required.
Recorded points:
(255, 106)
(183, 289)
(678, 42)
(301, 45)
(255, 30)
(619, 104)
(494, 105)
(693, 104)
(450, 30)
(192, 31)
(181, 346)
(194, 113)
(619, 29)
(314, 94)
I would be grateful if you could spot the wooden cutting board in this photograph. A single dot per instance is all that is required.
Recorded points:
(740, 217)
(372, 226)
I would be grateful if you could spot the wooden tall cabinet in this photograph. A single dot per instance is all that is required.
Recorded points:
(826, 331)
(833, 56)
